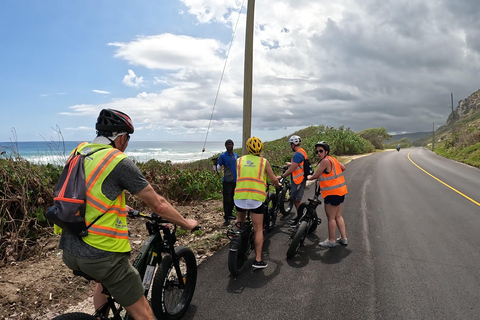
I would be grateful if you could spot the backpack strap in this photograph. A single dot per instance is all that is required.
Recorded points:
(96, 219)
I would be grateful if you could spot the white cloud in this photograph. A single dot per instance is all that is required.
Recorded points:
(171, 52)
(51, 94)
(131, 80)
(101, 91)
(358, 64)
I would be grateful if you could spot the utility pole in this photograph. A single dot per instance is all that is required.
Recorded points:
(433, 137)
(248, 77)
(453, 119)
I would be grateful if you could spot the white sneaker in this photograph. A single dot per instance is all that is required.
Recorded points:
(342, 241)
(327, 244)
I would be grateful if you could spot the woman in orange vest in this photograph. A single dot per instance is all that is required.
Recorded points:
(252, 171)
(333, 189)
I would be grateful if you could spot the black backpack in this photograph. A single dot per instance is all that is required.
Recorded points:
(307, 168)
(70, 197)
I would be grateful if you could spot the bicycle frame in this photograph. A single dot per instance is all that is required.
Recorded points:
(146, 261)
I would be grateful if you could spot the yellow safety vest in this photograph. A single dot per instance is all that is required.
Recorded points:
(108, 233)
(298, 173)
(333, 183)
(251, 178)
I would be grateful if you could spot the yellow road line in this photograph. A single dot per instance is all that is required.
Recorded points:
(478, 204)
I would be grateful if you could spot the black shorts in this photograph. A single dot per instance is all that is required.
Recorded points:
(334, 200)
(259, 210)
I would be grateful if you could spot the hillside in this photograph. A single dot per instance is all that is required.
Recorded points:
(415, 136)
(459, 138)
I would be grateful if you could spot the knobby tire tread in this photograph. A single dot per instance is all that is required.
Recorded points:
(75, 316)
(271, 204)
(237, 259)
(285, 204)
(297, 239)
(165, 267)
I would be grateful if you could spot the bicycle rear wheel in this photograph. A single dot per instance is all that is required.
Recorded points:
(237, 258)
(297, 238)
(75, 316)
(169, 299)
(286, 204)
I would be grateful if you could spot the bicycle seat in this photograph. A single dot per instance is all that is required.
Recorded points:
(81, 274)
(315, 201)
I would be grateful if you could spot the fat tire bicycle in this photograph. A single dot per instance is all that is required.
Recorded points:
(271, 207)
(307, 222)
(169, 279)
(285, 204)
(241, 233)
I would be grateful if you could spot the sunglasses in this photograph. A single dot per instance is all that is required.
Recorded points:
(320, 151)
(128, 137)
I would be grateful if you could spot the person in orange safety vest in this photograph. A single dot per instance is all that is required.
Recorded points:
(333, 189)
(295, 169)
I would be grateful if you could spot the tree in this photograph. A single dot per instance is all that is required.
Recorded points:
(376, 136)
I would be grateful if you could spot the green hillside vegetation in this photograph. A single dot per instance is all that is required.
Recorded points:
(376, 136)
(414, 137)
(404, 143)
(463, 144)
(26, 190)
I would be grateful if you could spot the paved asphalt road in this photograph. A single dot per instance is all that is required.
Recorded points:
(413, 221)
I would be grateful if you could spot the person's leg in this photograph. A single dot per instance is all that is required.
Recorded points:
(227, 200)
(340, 222)
(140, 309)
(231, 203)
(257, 220)
(331, 212)
(99, 298)
(241, 215)
(296, 193)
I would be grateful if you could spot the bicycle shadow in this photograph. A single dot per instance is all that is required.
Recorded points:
(252, 278)
(313, 252)
(330, 256)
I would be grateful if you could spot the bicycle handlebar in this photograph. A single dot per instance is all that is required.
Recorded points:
(154, 217)
(284, 168)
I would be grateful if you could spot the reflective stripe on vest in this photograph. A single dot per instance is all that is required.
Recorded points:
(298, 174)
(251, 178)
(110, 232)
(334, 182)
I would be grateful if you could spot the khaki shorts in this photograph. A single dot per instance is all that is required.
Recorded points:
(115, 272)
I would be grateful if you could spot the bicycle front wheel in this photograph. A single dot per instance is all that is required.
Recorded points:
(171, 299)
(286, 204)
(298, 237)
(75, 316)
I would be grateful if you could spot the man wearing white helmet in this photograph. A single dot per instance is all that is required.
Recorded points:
(295, 168)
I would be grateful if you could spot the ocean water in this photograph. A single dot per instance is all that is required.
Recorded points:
(41, 152)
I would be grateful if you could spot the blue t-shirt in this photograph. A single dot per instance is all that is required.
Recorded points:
(298, 157)
(230, 161)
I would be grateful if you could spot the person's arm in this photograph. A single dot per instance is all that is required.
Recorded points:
(164, 209)
(220, 161)
(342, 166)
(271, 175)
(321, 167)
(293, 166)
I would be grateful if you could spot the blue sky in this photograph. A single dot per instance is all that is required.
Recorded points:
(361, 65)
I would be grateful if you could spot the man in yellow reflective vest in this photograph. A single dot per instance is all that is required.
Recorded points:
(333, 189)
(103, 254)
(250, 192)
(295, 168)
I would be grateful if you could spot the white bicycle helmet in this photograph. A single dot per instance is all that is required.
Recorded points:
(296, 140)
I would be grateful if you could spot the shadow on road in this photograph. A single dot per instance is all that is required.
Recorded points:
(251, 278)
